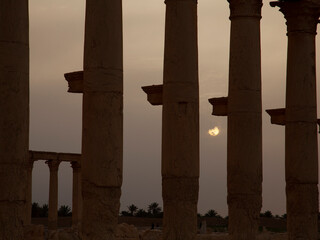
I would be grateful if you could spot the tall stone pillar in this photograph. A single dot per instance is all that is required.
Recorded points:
(29, 192)
(180, 119)
(53, 194)
(14, 116)
(244, 161)
(301, 146)
(102, 136)
(76, 195)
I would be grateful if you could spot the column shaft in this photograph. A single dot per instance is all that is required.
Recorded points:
(180, 131)
(29, 193)
(244, 161)
(301, 145)
(53, 195)
(14, 116)
(76, 196)
(102, 142)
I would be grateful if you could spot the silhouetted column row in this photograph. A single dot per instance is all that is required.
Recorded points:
(14, 116)
(53, 163)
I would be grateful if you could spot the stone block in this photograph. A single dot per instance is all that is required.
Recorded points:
(33, 232)
(220, 106)
(75, 81)
(154, 93)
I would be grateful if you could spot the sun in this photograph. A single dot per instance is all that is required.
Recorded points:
(214, 131)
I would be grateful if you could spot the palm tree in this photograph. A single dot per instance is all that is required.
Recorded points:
(267, 214)
(44, 210)
(141, 213)
(35, 210)
(64, 211)
(211, 213)
(154, 209)
(132, 209)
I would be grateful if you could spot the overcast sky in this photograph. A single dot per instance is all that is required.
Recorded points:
(56, 47)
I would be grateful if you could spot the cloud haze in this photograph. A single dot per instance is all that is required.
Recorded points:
(56, 38)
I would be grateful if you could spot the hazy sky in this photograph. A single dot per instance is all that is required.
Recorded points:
(56, 47)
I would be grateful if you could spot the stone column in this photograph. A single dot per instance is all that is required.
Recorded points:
(76, 195)
(180, 119)
(301, 145)
(53, 194)
(102, 136)
(29, 192)
(244, 161)
(14, 116)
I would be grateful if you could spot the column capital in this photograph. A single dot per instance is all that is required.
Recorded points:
(76, 166)
(245, 8)
(301, 16)
(53, 164)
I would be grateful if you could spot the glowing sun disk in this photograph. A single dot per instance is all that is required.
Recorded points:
(214, 131)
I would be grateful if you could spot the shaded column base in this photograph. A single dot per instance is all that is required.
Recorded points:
(11, 215)
(180, 198)
(302, 211)
(100, 211)
(244, 214)
(52, 225)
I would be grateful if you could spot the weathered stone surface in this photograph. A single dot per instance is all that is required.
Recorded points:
(214, 236)
(244, 163)
(14, 117)
(225, 236)
(151, 235)
(107, 199)
(64, 234)
(126, 232)
(102, 132)
(180, 129)
(33, 232)
(301, 145)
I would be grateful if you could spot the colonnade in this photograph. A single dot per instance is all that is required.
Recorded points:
(53, 161)
(243, 108)
(101, 83)
(300, 119)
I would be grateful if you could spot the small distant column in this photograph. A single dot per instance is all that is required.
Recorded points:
(53, 194)
(76, 195)
(244, 161)
(180, 121)
(102, 125)
(29, 192)
(301, 145)
(14, 116)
